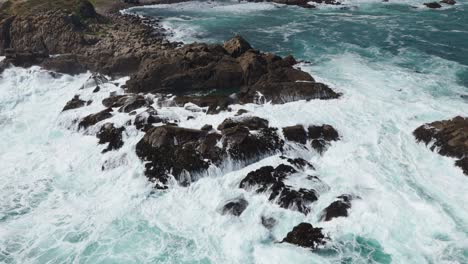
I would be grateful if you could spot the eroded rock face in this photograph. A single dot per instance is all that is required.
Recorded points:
(305, 235)
(448, 138)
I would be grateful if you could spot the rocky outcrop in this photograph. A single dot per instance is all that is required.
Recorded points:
(183, 153)
(448, 138)
(305, 235)
(111, 135)
(74, 103)
(433, 5)
(251, 122)
(338, 208)
(295, 133)
(269, 179)
(93, 119)
(127, 102)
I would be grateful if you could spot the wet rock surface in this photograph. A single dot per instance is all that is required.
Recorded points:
(448, 138)
(95, 118)
(338, 208)
(111, 135)
(74, 103)
(235, 207)
(305, 235)
(269, 179)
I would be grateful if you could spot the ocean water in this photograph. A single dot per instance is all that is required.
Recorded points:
(398, 65)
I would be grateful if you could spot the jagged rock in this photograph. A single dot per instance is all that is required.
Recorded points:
(321, 136)
(271, 179)
(251, 122)
(284, 92)
(95, 118)
(298, 162)
(236, 46)
(25, 58)
(338, 208)
(127, 102)
(448, 138)
(172, 150)
(215, 104)
(433, 5)
(74, 103)
(305, 235)
(235, 207)
(295, 133)
(243, 145)
(112, 135)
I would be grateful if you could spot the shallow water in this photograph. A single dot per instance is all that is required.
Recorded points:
(397, 66)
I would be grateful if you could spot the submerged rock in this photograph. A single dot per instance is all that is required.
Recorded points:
(305, 235)
(448, 138)
(268, 222)
(235, 207)
(449, 2)
(111, 135)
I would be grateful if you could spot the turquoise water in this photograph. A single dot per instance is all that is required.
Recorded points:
(397, 67)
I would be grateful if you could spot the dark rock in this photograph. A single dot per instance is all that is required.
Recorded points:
(295, 133)
(95, 118)
(271, 179)
(338, 208)
(305, 235)
(25, 58)
(433, 5)
(235, 207)
(251, 122)
(268, 222)
(176, 151)
(243, 145)
(86, 9)
(207, 128)
(127, 102)
(448, 138)
(97, 89)
(284, 92)
(299, 162)
(241, 112)
(112, 135)
(321, 136)
(67, 64)
(74, 103)
(236, 46)
(215, 104)
(448, 2)
(145, 119)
